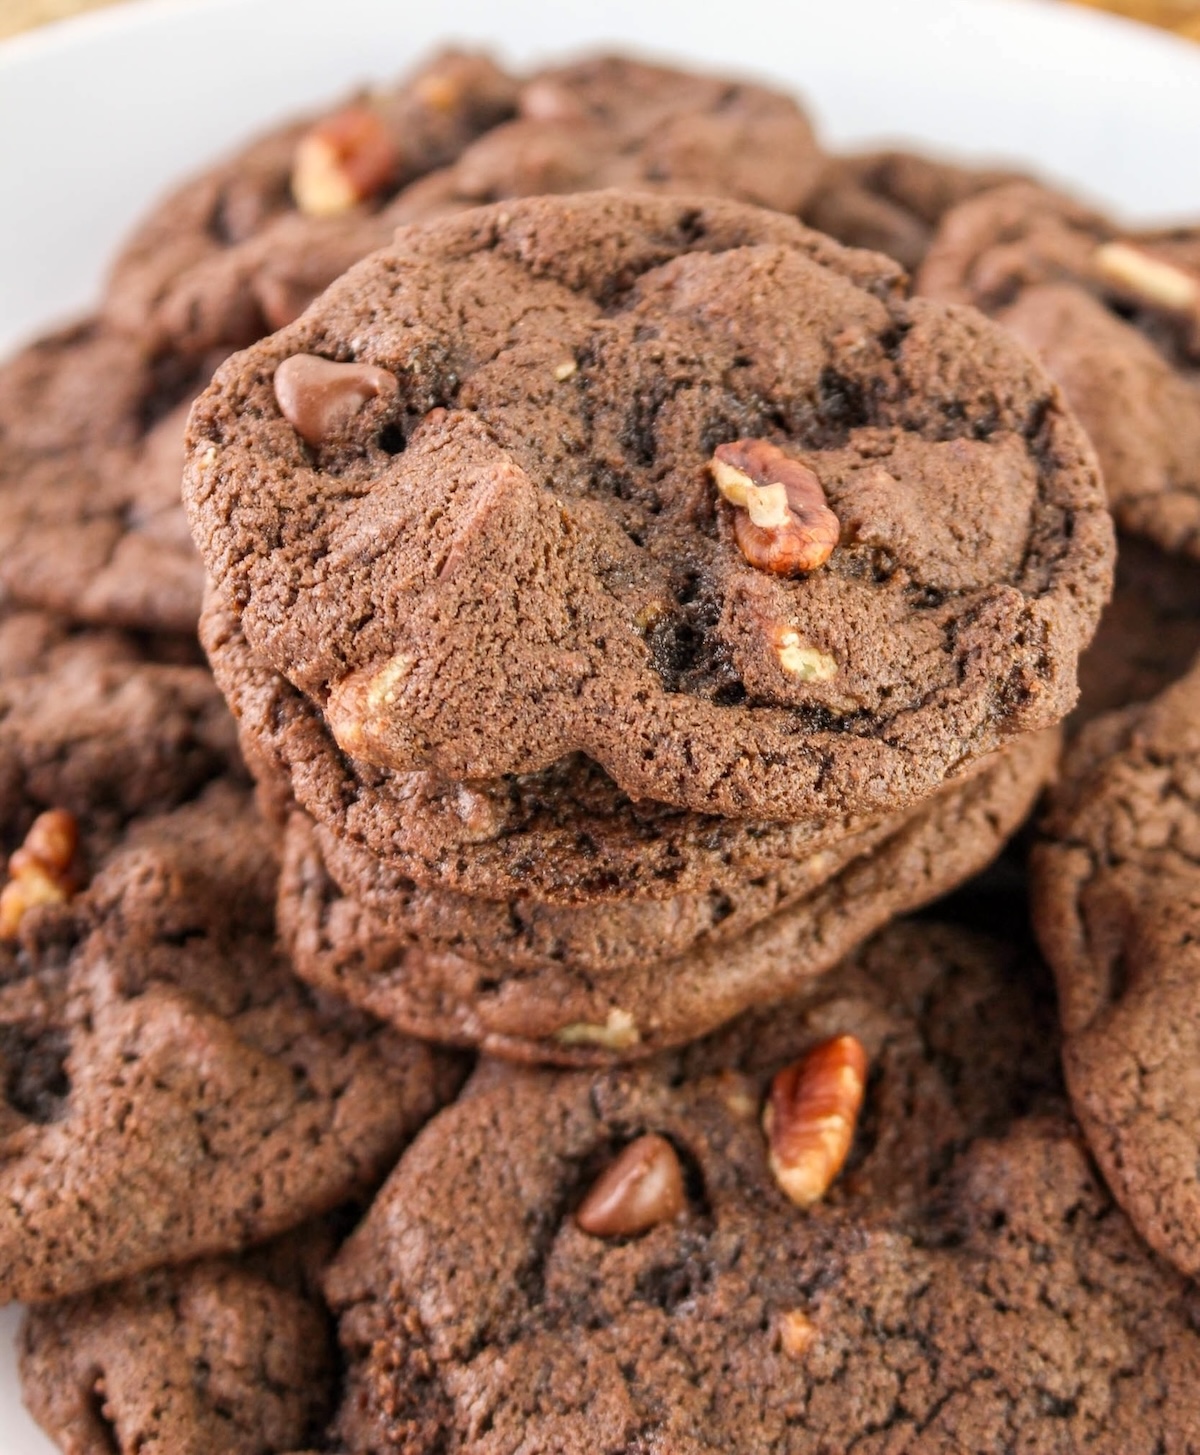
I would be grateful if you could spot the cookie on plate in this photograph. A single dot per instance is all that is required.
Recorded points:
(91, 452)
(490, 535)
(1149, 634)
(170, 1089)
(179, 281)
(892, 201)
(609, 121)
(229, 1356)
(565, 1012)
(90, 723)
(1116, 893)
(1115, 317)
(582, 1261)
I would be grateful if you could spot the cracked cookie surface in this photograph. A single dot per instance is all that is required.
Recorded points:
(571, 1013)
(1115, 318)
(91, 723)
(170, 1089)
(91, 451)
(965, 1284)
(228, 1356)
(1116, 887)
(519, 553)
(567, 835)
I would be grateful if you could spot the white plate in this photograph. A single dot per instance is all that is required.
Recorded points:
(98, 115)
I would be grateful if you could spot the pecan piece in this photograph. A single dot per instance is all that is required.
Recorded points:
(810, 1116)
(41, 871)
(781, 521)
(796, 1333)
(1148, 279)
(345, 159)
(318, 397)
(642, 1188)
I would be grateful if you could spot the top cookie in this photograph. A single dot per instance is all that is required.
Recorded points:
(495, 537)
(1116, 319)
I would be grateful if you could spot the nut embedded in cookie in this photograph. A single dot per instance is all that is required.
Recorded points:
(343, 160)
(781, 521)
(810, 1116)
(42, 870)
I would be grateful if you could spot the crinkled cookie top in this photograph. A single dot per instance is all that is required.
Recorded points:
(494, 535)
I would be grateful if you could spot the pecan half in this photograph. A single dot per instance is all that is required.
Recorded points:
(781, 521)
(810, 1116)
(345, 159)
(42, 870)
(642, 1188)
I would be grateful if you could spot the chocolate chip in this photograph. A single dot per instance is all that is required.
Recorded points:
(319, 397)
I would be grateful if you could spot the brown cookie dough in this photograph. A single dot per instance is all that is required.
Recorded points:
(1115, 317)
(564, 836)
(224, 1357)
(588, 1015)
(196, 275)
(966, 1284)
(91, 451)
(89, 725)
(1116, 892)
(170, 1090)
(518, 552)
(892, 201)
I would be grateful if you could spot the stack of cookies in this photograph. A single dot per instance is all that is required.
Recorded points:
(493, 1035)
(589, 574)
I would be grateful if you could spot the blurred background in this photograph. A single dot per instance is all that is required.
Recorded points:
(1181, 16)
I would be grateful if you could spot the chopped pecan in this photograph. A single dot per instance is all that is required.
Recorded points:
(1148, 279)
(796, 1333)
(810, 1116)
(345, 159)
(780, 521)
(42, 870)
(642, 1188)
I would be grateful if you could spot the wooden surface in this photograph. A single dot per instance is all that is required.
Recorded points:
(1181, 16)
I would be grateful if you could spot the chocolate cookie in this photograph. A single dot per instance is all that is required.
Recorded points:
(966, 1284)
(1116, 893)
(571, 1014)
(1115, 318)
(170, 1090)
(529, 934)
(501, 542)
(1149, 634)
(566, 835)
(224, 1357)
(191, 278)
(892, 201)
(91, 451)
(609, 121)
(601, 122)
(89, 725)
